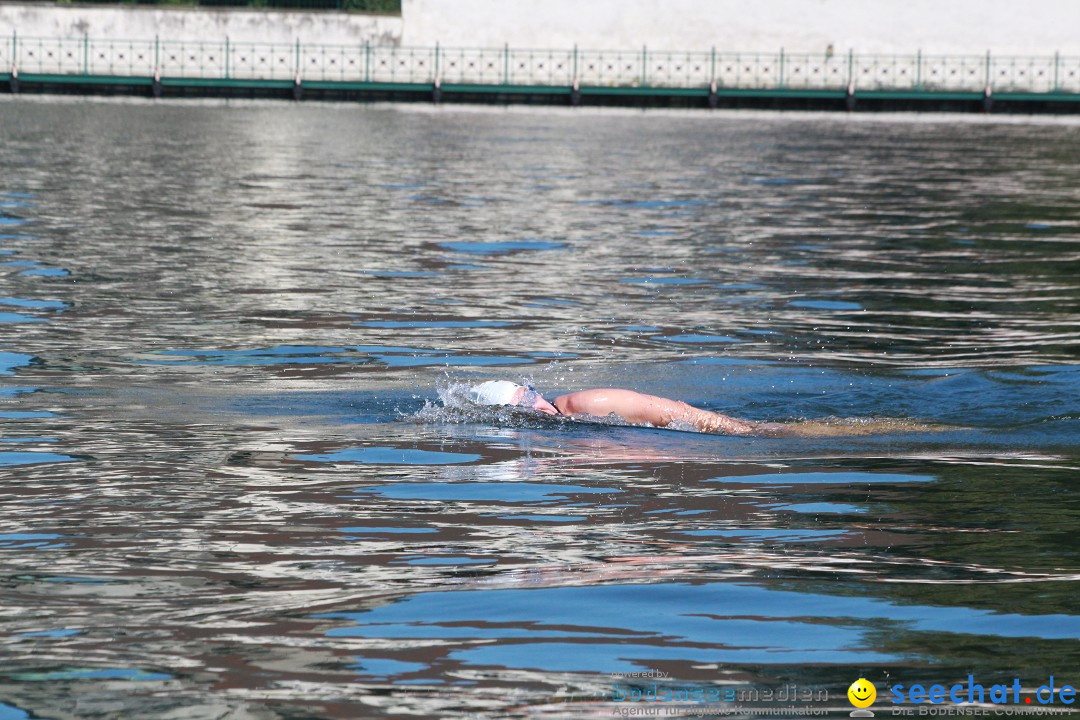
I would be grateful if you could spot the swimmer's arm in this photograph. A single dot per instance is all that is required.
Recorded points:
(643, 409)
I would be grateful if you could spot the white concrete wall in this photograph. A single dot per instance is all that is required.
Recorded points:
(142, 23)
(1034, 27)
(1023, 27)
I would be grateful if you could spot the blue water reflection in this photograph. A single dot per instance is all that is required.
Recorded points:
(312, 355)
(10, 712)
(7, 317)
(712, 622)
(127, 674)
(356, 532)
(392, 324)
(383, 667)
(31, 458)
(47, 272)
(26, 541)
(699, 338)
(31, 303)
(481, 491)
(11, 360)
(391, 456)
(65, 632)
(502, 247)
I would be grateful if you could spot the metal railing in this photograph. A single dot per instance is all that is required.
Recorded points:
(553, 67)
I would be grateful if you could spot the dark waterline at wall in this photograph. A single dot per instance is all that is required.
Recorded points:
(672, 98)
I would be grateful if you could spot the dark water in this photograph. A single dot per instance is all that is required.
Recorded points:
(230, 489)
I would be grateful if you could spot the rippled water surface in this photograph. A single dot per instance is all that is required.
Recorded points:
(230, 487)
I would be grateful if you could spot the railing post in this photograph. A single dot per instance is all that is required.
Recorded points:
(436, 90)
(644, 67)
(226, 57)
(156, 87)
(367, 61)
(714, 101)
(988, 68)
(781, 84)
(14, 81)
(1057, 66)
(506, 64)
(86, 54)
(918, 69)
(574, 79)
(298, 88)
(850, 67)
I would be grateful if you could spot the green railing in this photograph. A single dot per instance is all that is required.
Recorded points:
(641, 68)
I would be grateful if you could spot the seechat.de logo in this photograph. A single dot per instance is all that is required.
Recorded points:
(862, 694)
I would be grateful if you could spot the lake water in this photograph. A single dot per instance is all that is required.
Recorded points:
(230, 488)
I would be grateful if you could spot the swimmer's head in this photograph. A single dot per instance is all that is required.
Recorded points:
(496, 392)
(504, 392)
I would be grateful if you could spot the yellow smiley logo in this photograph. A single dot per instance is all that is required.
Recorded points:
(862, 693)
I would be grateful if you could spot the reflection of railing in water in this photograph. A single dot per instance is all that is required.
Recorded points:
(226, 60)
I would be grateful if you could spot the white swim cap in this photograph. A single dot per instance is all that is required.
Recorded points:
(494, 392)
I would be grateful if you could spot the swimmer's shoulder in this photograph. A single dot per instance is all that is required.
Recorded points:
(560, 404)
(576, 403)
(565, 403)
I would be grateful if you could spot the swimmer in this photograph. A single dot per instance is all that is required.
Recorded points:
(633, 407)
(640, 409)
